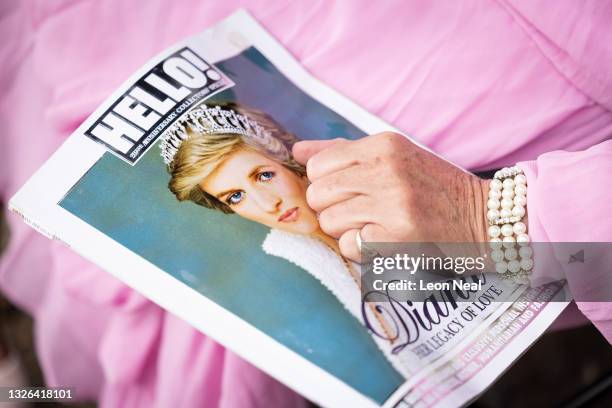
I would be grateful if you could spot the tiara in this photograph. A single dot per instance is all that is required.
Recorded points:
(208, 121)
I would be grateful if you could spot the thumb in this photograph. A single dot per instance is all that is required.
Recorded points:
(305, 149)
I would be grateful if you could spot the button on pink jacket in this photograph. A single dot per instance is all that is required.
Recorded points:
(484, 83)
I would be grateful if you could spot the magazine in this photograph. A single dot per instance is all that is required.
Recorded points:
(126, 192)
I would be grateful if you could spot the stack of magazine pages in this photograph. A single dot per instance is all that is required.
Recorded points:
(281, 299)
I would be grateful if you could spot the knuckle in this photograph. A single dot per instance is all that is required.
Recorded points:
(311, 196)
(389, 143)
(396, 142)
(367, 233)
(346, 250)
(313, 166)
(348, 245)
(394, 137)
(326, 221)
(389, 138)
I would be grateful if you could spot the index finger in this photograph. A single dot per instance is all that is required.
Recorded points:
(338, 156)
(305, 149)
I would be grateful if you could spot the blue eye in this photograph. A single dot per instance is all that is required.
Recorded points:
(265, 175)
(235, 198)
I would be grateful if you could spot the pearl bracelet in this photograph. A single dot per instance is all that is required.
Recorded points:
(506, 209)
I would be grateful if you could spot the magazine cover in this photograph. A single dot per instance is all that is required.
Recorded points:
(182, 185)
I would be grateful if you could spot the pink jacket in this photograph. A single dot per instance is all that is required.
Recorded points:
(485, 83)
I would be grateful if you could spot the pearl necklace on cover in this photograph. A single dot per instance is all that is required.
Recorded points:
(507, 233)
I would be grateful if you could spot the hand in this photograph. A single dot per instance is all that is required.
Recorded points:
(392, 191)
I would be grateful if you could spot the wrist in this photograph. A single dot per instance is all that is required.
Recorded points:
(479, 194)
(507, 233)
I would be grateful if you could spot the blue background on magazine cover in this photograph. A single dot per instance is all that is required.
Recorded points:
(220, 255)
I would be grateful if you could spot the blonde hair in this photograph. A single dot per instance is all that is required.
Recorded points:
(200, 154)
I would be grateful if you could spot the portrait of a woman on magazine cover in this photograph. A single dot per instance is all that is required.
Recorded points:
(235, 159)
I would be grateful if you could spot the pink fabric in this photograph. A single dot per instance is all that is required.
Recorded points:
(484, 83)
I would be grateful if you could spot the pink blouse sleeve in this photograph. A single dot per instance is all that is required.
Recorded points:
(568, 200)
(568, 192)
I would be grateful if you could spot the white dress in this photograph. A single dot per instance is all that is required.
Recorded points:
(316, 258)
